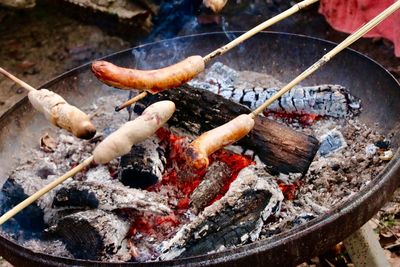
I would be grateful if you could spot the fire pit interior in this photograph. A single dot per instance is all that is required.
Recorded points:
(148, 206)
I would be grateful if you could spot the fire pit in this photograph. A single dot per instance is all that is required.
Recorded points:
(279, 55)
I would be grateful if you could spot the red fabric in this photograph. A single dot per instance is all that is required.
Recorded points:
(349, 15)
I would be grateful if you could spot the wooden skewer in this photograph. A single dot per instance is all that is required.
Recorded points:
(8, 215)
(328, 56)
(285, 14)
(131, 101)
(16, 80)
(222, 50)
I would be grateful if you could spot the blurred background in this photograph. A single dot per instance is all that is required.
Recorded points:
(42, 39)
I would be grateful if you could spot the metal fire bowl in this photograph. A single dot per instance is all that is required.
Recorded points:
(279, 54)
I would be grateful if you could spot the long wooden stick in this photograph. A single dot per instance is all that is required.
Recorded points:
(131, 101)
(285, 14)
(222, 50)
(8, 215)
(328, 56)
(16, 80)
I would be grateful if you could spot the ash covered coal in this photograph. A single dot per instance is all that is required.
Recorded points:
(253, 88)
(107, 197)
(97, 216)
(235, 219)
(144, 165)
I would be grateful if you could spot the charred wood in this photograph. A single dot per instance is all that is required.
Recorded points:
(21, 184)
(144, 165)
(218, 174)
(108, 197)
(281, 148)
(235, 219)
(94, 235)
(253, 88)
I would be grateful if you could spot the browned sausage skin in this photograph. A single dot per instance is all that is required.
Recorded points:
(198, 151)
(153, 81)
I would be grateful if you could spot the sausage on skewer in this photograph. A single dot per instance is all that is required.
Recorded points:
(198, 151)
(153, 81)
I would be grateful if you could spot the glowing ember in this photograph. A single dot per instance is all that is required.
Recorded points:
(289, 190)
(177, 185)
(304, 119)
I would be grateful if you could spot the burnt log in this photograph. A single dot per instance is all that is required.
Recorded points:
(143, 166)
(253, 88)
(217, 175)
(108, 197)
(281, 148)
(94, 235)
(21, 184)
(237, 218)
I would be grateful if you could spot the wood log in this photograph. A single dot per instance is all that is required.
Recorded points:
(21, 184)
(235, 219)
(218, 174)
(251, 89)
(281, 148)
(144, 165)
(94, 235)
(108, 197)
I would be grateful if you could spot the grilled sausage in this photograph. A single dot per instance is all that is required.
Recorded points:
(120, 142)
(62, 114)
(198, 151)
(153, 81)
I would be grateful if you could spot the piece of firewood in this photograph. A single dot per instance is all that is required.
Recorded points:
(281, 148)
(217, 175)
(93, 234)
(22, 183)
(143, 166)
(108, 197)
(235, 219)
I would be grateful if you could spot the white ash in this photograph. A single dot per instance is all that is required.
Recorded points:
(253, 88)
(290, 177)
(53, 247)
(333, 178)
(330, 142)
(113, 197)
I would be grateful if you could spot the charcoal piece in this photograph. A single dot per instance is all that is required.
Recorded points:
(21, 184)
(144, 165)
(93, 234)
(244, 87)
(235, 219)
(218, 174)
(331, 142)
(108, 197)
(281, 148)
(30, 219)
